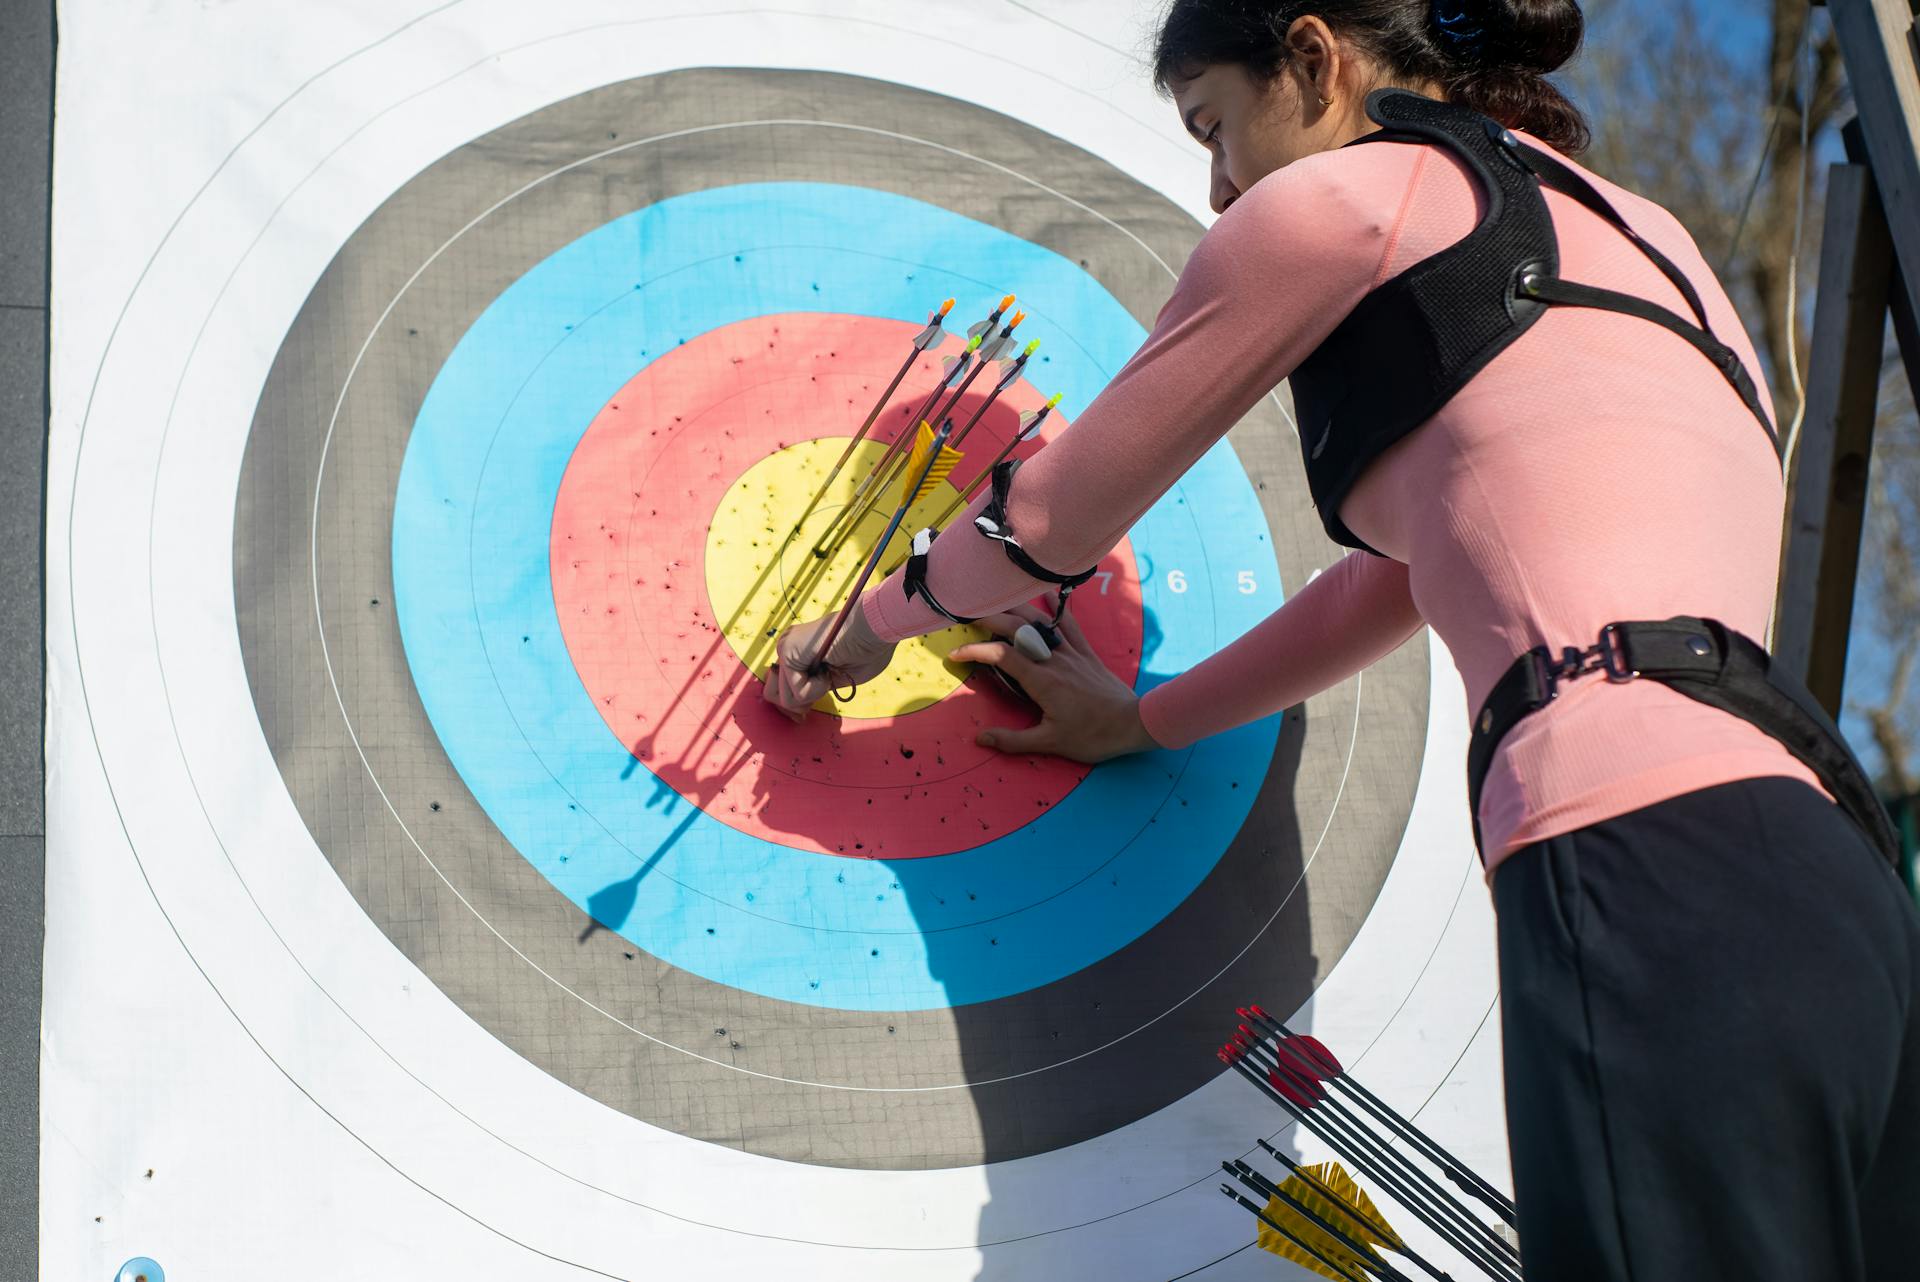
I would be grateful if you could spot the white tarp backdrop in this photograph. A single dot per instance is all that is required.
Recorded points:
(242, 1077)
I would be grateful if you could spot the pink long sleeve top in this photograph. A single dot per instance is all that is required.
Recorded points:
(1598, 469)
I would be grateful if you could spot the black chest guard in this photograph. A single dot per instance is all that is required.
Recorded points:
(1416, 340)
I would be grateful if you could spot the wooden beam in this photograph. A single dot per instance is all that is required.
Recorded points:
(1836, 439)
(1879, 45)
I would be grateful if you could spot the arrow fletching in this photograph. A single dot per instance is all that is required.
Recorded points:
(932, 334)
(928, 465)
(1349, 1209)
(987, 324)
(924, 463)
(1011, 366)
(1030, 421)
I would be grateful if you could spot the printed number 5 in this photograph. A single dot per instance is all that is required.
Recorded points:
(1247, 585)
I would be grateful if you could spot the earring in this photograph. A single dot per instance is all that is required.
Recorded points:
(1324, 102)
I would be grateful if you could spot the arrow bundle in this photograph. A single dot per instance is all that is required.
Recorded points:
(1318, 1217)
(920, 456)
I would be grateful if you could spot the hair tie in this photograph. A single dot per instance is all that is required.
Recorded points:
(1464, 29)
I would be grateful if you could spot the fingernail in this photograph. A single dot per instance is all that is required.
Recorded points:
(986, 739)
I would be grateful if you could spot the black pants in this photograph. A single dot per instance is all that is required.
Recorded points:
(1713, 1045)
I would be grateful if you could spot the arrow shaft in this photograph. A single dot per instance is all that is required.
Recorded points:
(1329, 1114)
(899, 515)
(1456, 1170)
(1345, 1206)
(1338, 1270)
(872, 417)
(1370, 1258)
(866, 491)
(1395, 1186)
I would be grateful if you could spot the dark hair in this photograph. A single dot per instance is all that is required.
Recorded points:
(1490, 55)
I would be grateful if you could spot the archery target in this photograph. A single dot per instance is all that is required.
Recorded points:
(519, 474)
(576, 920)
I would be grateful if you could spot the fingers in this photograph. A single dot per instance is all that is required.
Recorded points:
(998, 654)
(793, 692)
(1007, 739)
(1007, 623)
(1069, 627)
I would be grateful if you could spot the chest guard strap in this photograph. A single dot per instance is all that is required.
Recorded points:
(1443, 319)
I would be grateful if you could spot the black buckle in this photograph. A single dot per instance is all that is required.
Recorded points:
(1613, 655)
(1608, 655)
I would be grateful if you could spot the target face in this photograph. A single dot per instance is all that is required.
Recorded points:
(519, 497)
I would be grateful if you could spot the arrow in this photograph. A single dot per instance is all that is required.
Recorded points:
(1014, 368)
(1291, 1206)
(925, 339)
(987, 354)
(1030, 423)
(1315, 1054)
(1380, 1169)
(928, 463)
(1330, 1117)
(1329, 1182)
(980, 328)
(888, 467)
(1314, 1259)
(936, 447)
(876, 479)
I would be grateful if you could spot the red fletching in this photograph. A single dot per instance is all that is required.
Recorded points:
(1307, 1082)
(1300, 1060)
(1320, 1052)
(1290, 1093)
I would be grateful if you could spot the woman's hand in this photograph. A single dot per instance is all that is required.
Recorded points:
(1086, 713)
(858, 656)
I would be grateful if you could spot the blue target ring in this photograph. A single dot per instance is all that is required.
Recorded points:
(476, 611)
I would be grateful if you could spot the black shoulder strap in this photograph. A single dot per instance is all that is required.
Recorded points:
(1548, 287)
(1553, 289)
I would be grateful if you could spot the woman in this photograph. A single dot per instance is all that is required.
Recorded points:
(1708, 978)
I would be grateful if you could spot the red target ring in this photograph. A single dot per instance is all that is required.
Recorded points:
(644, 498)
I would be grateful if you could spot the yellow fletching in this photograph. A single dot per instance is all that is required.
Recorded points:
(941, 467)
(917, 459)
(1348, 1208)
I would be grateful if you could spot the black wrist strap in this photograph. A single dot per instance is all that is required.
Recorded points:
(992, 522)
(916, 580)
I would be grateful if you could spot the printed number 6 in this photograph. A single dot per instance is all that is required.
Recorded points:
(1176, 581)
(1247, 585)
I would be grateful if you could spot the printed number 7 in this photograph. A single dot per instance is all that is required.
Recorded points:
(1106, 580)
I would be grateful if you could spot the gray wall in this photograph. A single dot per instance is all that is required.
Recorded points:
(26, 124)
